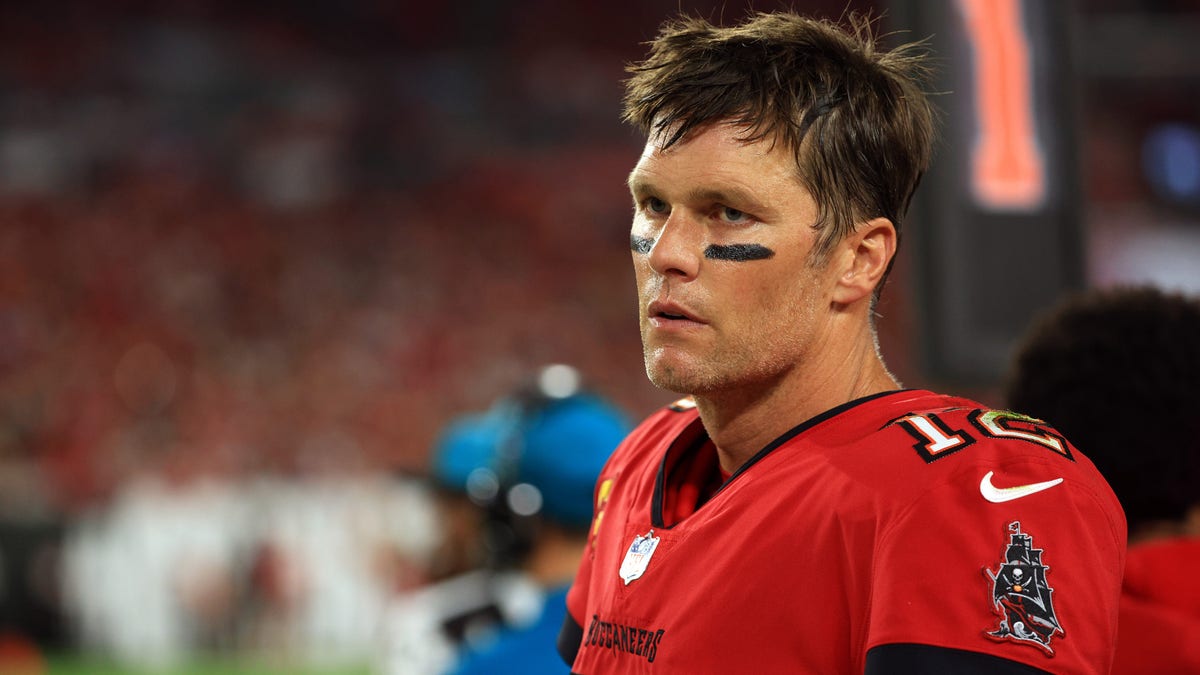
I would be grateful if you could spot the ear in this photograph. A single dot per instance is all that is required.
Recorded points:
(866, 254)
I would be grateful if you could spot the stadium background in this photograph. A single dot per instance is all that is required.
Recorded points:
(253, 257)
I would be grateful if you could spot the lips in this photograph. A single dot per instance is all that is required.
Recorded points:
(670, 311)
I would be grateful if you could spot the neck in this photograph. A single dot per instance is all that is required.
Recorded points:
(743, 420)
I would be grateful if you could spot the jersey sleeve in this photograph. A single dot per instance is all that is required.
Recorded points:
(577, 596)
(998, 556)
(606, 485)
(891, 659)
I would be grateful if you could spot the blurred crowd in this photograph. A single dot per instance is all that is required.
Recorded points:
(253, 260)
(214, 238)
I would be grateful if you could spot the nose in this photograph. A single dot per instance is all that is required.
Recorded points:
(677, 251)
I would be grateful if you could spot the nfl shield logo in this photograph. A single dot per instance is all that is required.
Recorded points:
(638, 556)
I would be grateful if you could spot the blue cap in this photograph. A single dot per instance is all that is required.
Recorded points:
(565, 446)
(559, 447)
(466, 444)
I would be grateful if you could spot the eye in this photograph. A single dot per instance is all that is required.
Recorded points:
(733, 216)
(657, 206)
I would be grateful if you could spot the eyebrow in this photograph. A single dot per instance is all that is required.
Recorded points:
(729, 196)
(638, 186)
(733, 197)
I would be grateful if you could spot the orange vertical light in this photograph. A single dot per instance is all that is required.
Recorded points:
(1007, 166)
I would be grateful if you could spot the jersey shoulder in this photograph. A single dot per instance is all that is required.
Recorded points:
(915, 439)
(937, 433)
(965, 442)
(655, 433)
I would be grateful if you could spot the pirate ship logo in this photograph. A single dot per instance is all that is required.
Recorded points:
(1021, 596)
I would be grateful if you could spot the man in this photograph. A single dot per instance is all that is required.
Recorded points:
(1117, 369)
(799, 512)
(516, 480)
(558, 440)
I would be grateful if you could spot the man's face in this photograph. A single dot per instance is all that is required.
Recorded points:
(722, 234)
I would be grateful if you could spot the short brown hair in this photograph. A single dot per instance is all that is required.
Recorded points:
(867, 122)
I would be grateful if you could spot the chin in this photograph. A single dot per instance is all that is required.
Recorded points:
(668, 382)
(671, 375)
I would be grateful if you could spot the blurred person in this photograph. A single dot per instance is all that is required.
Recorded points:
(424, 627)
(799, 511)
(190, 562)
(324, 565)
(150, 579)
(1117, 371)
(516, 484)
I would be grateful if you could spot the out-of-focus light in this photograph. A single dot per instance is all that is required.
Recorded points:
(524, 499)
(483, 486)
(559, 381)
(1171, 160)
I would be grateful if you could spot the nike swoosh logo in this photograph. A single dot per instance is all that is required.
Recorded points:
(997, 495)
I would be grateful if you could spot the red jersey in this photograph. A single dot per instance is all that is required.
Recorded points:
(1160, 609)
(901, 518)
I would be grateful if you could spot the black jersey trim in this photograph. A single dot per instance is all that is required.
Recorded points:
(806, 425)
(570, 637)
(915, 658)
(660, 481)
(656, 505)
